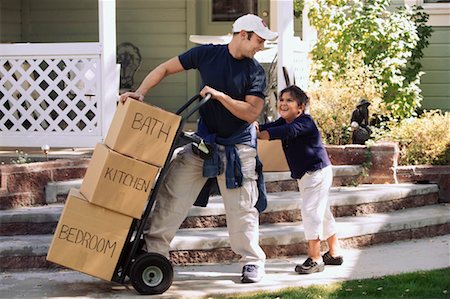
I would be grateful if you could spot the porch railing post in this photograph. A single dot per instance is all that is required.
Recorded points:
(110, 72)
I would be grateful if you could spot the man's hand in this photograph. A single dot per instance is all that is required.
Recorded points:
(131, 94)
(247, 110)
(256, 124)
(215, 94)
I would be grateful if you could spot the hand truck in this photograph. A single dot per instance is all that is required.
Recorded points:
(152, 273)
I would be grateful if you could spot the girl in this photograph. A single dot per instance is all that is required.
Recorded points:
(309, 164)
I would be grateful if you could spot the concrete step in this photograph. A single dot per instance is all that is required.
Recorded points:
(338, 171)
(280, 239)
(343, 175)
(282, 207)
(55, 191)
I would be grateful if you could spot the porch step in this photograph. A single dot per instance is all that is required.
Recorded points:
(338, 171)
(279, 239)
(56, 190)
(342, 174)
(282, 207)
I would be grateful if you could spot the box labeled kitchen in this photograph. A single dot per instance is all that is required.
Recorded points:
(118, 182)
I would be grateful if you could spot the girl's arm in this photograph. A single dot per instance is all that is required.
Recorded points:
(278, 122)
(262, 129)
(287, 131)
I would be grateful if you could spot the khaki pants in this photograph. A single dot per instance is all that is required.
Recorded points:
(180, 189)
(318, 221)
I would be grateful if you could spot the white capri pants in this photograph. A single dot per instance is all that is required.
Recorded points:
(182, 184)
(318, 221)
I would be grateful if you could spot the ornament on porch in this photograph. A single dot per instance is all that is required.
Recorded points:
(360, 122)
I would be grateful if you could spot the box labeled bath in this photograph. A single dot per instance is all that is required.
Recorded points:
(142, 131)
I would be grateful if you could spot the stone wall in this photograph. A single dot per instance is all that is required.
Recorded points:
(438, 174)
(24, 184)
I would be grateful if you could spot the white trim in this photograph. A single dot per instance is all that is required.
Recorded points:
(439, 12)
(49, 49)
(110, 74)
(282, 21)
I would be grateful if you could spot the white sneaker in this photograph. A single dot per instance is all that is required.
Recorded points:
(252, 273)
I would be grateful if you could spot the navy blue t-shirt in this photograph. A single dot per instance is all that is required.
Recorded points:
(302, 144)
(234, 77)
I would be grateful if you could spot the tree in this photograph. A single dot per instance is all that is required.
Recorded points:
(390, 44)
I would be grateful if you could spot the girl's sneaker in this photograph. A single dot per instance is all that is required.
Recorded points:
(328, 259)
(309, 266)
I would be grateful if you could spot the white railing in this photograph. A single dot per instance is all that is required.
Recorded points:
(51, 94)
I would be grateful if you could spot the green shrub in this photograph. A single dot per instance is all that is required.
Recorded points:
(422, 140)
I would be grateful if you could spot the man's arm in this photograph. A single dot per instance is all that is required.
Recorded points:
(247, 110)
(169, 67)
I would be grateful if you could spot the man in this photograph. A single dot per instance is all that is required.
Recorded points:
(236, 82)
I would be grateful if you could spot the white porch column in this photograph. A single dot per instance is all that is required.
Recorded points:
(309, 32)
(109, 70)
(282, 21)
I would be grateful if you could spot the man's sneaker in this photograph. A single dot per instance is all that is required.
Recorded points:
(252, 273)
(328, 259)
(309, 266)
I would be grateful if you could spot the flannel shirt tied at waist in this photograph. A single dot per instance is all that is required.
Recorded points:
(233, 171)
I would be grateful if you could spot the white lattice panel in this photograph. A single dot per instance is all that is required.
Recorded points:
(50, 95)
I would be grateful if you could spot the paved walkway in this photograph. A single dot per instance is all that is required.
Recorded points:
(206, 280)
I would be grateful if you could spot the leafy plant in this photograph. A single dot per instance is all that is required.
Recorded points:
(422, 140)
(21, 158)
(298, 8)
(390, 45)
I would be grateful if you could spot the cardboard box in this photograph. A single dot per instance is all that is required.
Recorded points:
(142, 131)
(272, 156)
(118, 182)
(88, 238)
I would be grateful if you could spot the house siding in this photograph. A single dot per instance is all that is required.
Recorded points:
(48, 21)
(10, 21)
(435, 83)
(158, 29)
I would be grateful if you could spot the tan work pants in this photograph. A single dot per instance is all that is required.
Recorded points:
(179, 190)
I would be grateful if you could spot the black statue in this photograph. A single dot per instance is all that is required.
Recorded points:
(360, 122)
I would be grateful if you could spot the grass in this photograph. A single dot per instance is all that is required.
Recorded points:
(418, 285)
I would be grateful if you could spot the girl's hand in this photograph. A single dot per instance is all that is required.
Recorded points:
(263, 135)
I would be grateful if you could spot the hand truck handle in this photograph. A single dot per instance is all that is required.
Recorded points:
(196, 107)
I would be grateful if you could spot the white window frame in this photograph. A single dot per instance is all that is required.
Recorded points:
(439, 12)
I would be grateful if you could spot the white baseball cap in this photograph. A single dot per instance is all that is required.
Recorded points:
(254, 23)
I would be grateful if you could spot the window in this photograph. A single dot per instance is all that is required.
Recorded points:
(230, 10)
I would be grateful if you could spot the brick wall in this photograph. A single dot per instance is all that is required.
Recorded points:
(24, 184)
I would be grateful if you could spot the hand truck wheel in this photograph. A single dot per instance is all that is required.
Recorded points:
(151, 274)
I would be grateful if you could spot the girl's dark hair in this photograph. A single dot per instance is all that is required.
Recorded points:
(297, 93)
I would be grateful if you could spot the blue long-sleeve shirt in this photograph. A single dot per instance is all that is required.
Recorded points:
(302, 144)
